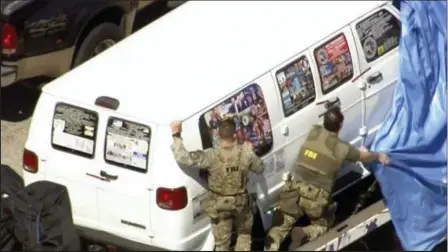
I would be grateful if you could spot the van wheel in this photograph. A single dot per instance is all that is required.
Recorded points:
(98, 40)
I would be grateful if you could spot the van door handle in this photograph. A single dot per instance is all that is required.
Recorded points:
(332, 102)
(375, 78)
(108, 176)
(285, 130)
(329, 104)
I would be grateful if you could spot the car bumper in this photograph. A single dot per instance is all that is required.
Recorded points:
(9, 75)
(51, 65)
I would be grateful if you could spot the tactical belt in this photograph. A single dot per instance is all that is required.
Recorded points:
(228, 195)
(314, 178)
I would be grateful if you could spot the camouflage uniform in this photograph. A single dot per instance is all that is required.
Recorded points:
(228, 202)
(317, 165)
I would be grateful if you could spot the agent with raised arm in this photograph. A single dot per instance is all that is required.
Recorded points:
(228, 166)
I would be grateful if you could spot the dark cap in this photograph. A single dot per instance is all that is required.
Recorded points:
(227, 128)
(333, 119)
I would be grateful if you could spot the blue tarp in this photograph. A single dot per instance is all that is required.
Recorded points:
(414, 133)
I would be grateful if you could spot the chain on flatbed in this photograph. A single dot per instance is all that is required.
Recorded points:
(364, 196)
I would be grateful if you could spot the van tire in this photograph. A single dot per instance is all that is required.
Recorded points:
(102, 32)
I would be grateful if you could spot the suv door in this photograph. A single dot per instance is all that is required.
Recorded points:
(377, 37)
(337, 65)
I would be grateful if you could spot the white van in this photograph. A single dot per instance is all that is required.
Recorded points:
(102, 129)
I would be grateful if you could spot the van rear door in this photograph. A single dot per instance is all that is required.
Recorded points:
(124, 199)
(72, 161)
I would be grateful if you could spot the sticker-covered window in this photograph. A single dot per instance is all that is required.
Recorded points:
(378, 33)
(74, 130)
(127, 144)
(248, 109)
(334, 62)
(296, 84)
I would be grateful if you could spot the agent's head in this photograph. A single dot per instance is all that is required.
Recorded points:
(227, 129)
(333, 119)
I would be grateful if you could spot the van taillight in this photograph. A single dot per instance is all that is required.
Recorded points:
(30, 161)
(172, 199)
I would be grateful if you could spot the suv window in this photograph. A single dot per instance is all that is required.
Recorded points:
(74, 130)
(334, 62)
(379, 33)
(127, 144)
(296, 85)
(248, 109)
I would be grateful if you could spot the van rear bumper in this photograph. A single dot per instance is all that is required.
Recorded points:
(102, 237)
(110, 239)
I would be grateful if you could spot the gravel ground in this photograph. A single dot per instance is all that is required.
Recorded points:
(17, 106)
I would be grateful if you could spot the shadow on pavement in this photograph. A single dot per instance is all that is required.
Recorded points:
(18, 102)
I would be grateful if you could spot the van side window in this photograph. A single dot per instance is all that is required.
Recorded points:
(127, 144)
(379, 33)
(296, 85)
(334, 62)
(74, 130)
(248, 109)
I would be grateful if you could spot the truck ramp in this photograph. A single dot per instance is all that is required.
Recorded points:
(350, 230)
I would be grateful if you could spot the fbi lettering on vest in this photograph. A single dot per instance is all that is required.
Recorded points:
(310, 154)
(232, 169)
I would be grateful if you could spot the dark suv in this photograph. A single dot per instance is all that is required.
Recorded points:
(46, 38)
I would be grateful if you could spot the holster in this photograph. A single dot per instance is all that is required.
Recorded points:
(289, 202)
(218, 206)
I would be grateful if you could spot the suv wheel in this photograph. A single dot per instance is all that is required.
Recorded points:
(98, 40)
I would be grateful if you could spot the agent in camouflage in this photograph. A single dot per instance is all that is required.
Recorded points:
(317, 165)
(228, 166)
(298, 199)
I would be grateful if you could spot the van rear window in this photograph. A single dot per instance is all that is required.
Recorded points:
(127, 144)
(74, 130)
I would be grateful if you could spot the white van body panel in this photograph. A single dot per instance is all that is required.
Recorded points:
(193, 50)
(350, 99)
(201, 54)
(297, 128)
(379, 96)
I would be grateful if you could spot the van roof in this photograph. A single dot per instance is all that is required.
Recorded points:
(202, 51)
